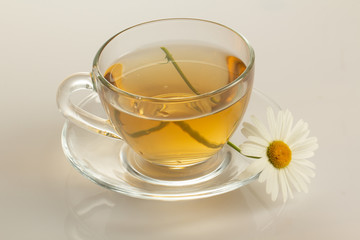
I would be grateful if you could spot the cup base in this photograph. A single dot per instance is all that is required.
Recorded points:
(173, 176)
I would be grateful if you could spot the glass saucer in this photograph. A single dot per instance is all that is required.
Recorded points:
(97, 157)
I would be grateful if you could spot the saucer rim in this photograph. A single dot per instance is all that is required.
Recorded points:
(228, 187)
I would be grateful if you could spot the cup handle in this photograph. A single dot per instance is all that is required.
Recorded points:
(78, 115)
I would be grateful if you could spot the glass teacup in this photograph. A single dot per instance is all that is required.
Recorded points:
(174, 90)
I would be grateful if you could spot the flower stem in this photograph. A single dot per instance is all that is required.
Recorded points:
(234, 146)
(239, 150)
(194, 134)
(170, 58)
(148, 131)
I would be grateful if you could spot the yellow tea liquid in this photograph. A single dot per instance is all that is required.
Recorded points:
(184, 133)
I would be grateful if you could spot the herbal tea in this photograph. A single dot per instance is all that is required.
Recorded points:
(180, 134)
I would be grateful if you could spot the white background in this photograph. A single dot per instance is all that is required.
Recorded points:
(307, 60)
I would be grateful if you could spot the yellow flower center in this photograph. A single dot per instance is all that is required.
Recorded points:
(279, 154)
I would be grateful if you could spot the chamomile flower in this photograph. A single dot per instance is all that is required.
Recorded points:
(282, 150)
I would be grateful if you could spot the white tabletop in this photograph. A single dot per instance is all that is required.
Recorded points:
(307, 60)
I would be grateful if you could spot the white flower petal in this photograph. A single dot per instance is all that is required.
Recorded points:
(309, 172)
(302, 154)
(261, 128)
(297, 170)
(251, 130)
(309, 144)
(248, 130)
(265, 173)
(300, 126)
(259, 140)
(299, 180)
(304, 162)
(287, 184)
(275, 187)
(296, 139)
(286, 125)
(270, 181)
(257, 166)
(252, 149)
(279, 123)
(271, 122)
(283, 185)
(292, 179)
(272, 184)
(299, 132)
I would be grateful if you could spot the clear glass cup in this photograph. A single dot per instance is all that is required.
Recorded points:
(166, 138)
